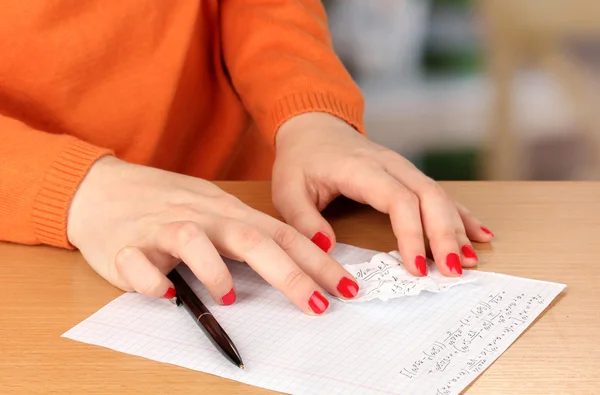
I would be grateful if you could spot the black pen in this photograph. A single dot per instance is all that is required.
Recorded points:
(204, 318)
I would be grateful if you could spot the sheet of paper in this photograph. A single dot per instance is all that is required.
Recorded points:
(384, 277)
(430, 343)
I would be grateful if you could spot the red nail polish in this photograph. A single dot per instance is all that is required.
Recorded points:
(321, 240)
(487, 231)
(453, 263)
(318, 303)
(468, 252)
(229, 297)
(421, 264)
(170, 293)
(347, 287)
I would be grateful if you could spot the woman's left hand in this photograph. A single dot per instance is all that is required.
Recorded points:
(320, 157)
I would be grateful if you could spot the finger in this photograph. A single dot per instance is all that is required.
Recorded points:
(406, 224)
(247, 243)
(468, 256)
(381, 191)
(298, 208)
(440, 228)
(436, 213)
(145, 278)
(475, 230)
(187, 242)
(320, 266)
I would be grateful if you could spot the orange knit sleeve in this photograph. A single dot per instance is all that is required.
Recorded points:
(39, 174)
(281, 62)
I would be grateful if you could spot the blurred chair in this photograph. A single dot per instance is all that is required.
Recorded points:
(529, 32)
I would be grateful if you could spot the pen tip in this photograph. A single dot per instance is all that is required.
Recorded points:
(241, 366)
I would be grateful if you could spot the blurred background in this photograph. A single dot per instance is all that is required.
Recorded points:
(478, 89)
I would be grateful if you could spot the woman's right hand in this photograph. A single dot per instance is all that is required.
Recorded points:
(134, 224)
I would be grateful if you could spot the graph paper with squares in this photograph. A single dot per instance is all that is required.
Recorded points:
(431, 343)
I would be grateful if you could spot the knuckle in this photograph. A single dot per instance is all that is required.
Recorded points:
(361, 160)
(250, 237)
(403, 199)
(388, 155)
(182, 211)
(443, 234)
(362, 155)
(406, 198)
(435, 190)
(294, 217)
(322, 268)
(370, 162)
(293, 279)
(459, 234)
(123, 257)
(185, 232)
(115, 271)
(285, 237)
(230, 206)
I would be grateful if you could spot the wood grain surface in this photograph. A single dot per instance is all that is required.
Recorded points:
(546, 231)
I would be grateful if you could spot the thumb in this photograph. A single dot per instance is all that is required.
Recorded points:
(298, 208)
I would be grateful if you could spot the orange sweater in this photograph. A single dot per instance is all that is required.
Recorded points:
(194, 86)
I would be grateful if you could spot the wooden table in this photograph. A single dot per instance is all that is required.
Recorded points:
(546, 231)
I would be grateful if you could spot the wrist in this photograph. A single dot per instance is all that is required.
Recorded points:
(308, 125)
(70, 160)
(85, 201)
(345, 105)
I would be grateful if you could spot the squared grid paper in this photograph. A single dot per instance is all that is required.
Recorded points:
(433, 343)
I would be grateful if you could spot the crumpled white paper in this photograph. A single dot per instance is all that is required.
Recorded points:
(384, 277)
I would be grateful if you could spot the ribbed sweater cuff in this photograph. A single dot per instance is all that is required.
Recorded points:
(60, 183)
(304, 102)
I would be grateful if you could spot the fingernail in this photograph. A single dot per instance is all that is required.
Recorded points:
(421, 265)
(487, 231)
(170, 293)
(321, 240)
(318, 303)
(468, 252)
(229, 297)
(453, 263)
(347, 287)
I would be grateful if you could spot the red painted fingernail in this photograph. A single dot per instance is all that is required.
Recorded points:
(453, 263)
(421, 265)
(229, 297)
(487, 231)
(170, 293)
(347, 287)
(318, 303)
(468, 252)
(321, 240)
